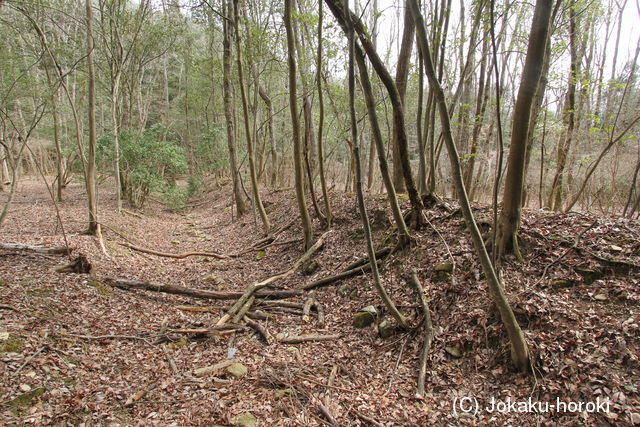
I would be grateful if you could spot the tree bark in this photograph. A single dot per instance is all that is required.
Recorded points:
(514, 182)
(519, 349)
(91, 152)
(241, 206)
(297, 146)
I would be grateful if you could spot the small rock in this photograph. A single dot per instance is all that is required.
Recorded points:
(213, 279)
(600, 297)
(309, 268)
(615, 248)
(362, 320)
(444, 266)
(260, 255)
(236, 370)
(354, 294)
(209, 370)
(370, 309)
(635, 418)
(589, 276)
(365, 317)
(561, 283)
(25, 387)
(175, 242)
(342, 290)
(4, 336)
(385, 329)
(454, 351)
(244, 420)
(280, 393)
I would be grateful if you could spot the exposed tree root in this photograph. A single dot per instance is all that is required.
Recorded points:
(176, 256)
(428, 334)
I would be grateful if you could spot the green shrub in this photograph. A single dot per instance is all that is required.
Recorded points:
(175, 198)
(149, 161)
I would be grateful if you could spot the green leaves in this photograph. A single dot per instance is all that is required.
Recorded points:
(150, 161)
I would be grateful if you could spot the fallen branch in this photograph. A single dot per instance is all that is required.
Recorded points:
(380, 254)
(172, 363)
(170, 255)
(428, 334)
(337, 277)
(266, 336)
(140, 394)
(257, 286)
(37, 249)
(129, 284)
(298, 339)
(325, 412)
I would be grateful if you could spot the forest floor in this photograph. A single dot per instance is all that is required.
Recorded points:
(75, 350)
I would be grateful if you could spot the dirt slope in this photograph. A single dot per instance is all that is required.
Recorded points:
(77, 350)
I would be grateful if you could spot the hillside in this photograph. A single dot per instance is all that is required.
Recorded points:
(74, 349)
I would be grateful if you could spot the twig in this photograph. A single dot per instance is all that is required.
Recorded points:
(8, 307)
(330, 382)
(367, 418)
(30, 358)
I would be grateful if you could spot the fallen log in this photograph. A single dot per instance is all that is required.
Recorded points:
(298, 339)
(131, 284)
(337, 277)
(37, 249)
(428, 334)
(170, 255)
(257, 286)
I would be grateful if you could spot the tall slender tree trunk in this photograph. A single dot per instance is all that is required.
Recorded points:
(323, 181)
(115, 89)
(91, 152)
(514, 183)
(402, 75)
(568, 117)
(398, 110)
(245, 110)
(295, 124)
(241, 207)
(376, 134)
